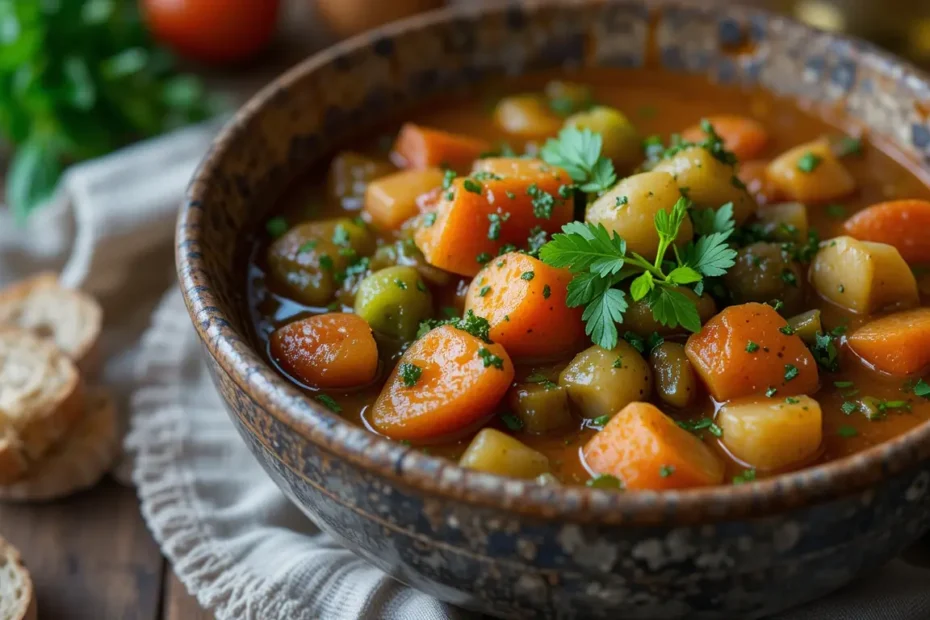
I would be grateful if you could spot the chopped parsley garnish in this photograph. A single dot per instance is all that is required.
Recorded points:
(788, 277)
(751, 347)
(485, 175)
(922, 389)
(448, 177)
(771, 391)
(512, 422)
(546, 291)
(400, 284)
(600, 421)
(621, 201)
(490, 359)
(484, 290)
(843, 384)
(326, 262)
(847, 431)
(699, 424)
(422, 287)
(471, 186)
(566, 191)
(791, 372)
(848, 407)
(666, 470)
(276, 227)
(618, 363)
(494, 228)
(542, 380)
(308, 246)
(605, 481)
(510, 195)
(483, 257)
(341, 236)
(410, 373)
(786, 330)
(471, 323)
(808, 162)
(542, 202)
(748, 475)
(429, 219)
(578, 152)
(825, 352)
(327, 401)
(536, 240)
(791, 400)
(527, 275)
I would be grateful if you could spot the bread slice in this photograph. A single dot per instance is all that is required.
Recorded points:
(17, 596)
(71, 318)
(79, 461)
(40, 399)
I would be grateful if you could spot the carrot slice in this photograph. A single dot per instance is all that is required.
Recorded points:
(524, 301)
(461, 379)
(898, 344)
(504, 200)
(901, 223)
(328, 351)
(744, 136)
(395, 198)
(646, 449)
(424, 147)
(743, 351)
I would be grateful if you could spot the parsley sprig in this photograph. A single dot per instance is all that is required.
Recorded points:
(599, 261)
(578, 152)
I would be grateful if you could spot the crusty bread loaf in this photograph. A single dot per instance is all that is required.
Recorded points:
(17, 596)
(71, 318)
(40, 398)
(79, 460)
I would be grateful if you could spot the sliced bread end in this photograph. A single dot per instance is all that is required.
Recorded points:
(17, 595)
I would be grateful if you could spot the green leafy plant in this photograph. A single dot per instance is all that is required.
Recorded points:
(78, 79)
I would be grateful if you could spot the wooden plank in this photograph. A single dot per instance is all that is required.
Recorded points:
(90, 555)
(178, 604)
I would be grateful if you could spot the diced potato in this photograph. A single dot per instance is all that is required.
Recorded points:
(349, 176)
(806, 325)
(629, 209)
(639, 318)
(676, 382)
(570, 95)
(495, 452)
(810, 173)
(763, 272)
(394, 300)
(620, 140)
(863, 276)
(527, 116)
(542, 407)
(601, 382)
(772, 433)
(709, 182)
(785, 221)
(391, 200)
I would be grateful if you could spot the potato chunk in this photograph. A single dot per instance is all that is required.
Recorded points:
(542, 406)
(863, 276)
(527, 116)
(763, 272)
(629, 209)
(810, 173)
(495, 452)
(676, 382)
(785, 221)
(710, 182)
(772, 433)
(621, 141)
(602, 382)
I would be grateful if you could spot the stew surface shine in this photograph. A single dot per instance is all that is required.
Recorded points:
(625, 280)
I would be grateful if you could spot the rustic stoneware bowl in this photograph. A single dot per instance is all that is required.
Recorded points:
(507, 547)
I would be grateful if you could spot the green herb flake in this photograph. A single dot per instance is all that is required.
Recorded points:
(849, 407)
(787, 276)
(527, 275)
(276, 227)
(600, 421)
(847, 145)
(327, 401)
(699, 424)
(808, 162)
(490, 359)
(510, 195)
(447, 178)
(483, 258)
(791, 400)
(542, 201)
(922, 389)
(400, 284)
(666, 470)
(843, 384)
(751, 347)
(341, 236)
(410, 374)
(847, 431)
(605, 481)
(747, 475)
(512, 422)
(326, 262)
(422, 287)
(791, 372)
(618, 363)
(546, 292)
(471, 186)
(622, 201)
(484, 290)
(307, 247)
(429, 219)
(771, 391)
(786, 330)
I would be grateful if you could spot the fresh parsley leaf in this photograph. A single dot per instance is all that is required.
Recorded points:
(327, 401)
(641, 286)
(710, 255)
(683, 275)
(581, 247)
(709, 221)
(578, 151)
(602, 315)
(672, 308)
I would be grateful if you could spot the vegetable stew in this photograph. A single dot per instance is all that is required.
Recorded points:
(624, 280)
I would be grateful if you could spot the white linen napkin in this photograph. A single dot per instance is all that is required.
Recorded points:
(235, 541)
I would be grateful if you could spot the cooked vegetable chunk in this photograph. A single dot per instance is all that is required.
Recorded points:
(393, 199)
(811, 173)
(785, 221)
(327, 351)
(763, 272)
(772, 433)
(901, 223)
(461, 380)
(423, 147)
(349, 176)
(541, 406)
(482, 213)
(709, 182)
(639, 318)
(806, 325)
(898, 344)
(752, 174)
(524, 301)
(676, 382)
(744, 137)
(308, 259)
(744, 351)
(394, 301)
(602, 382)
(567, 97)
(621, 142)
(863, 276)
(494, 452)
(527, 116)
(630, 207)
(646, 449)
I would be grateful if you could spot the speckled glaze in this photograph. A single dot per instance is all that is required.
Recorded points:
(510, 548)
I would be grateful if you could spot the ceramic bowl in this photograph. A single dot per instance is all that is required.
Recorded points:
(507, 547)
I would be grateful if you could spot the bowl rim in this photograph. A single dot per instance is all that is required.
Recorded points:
(438, 478)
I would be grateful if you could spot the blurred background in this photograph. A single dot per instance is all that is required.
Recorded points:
(81, 78)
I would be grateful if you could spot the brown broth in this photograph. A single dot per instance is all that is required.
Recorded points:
(657, 103)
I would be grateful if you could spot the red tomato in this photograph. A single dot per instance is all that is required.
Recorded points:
(212, 30)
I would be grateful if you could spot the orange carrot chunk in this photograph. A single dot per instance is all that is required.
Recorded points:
(447, 381)
(745, 137)
(423, 147)
(503, 202)
(901, 223)
(524, 301)
(328, 351)
(744, 351)
(898, 344)
(395, 198)
(646, 449)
